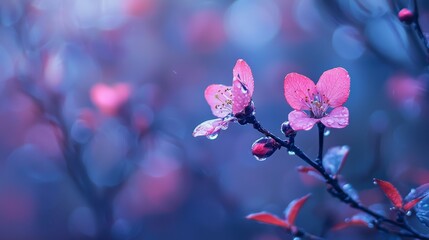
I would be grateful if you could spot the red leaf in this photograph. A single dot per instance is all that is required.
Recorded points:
(268, 218)
(311, 171)
(355, 222)
(420, 191)
(360, 219)
(391, 192)
(293, 208)
(412, 203)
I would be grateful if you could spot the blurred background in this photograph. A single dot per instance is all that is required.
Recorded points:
(99, 98)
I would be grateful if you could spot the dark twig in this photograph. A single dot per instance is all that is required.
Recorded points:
(336, 190)
(321, 128)
(303, 234)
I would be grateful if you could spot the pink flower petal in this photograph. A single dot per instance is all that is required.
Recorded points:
(219, 97)
(300, 121)
(298, 90)
(241, 97)
(337, 118)
(334, 86)
(244, 74)
(210, 127)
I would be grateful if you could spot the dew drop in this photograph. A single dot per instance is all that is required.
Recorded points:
(296, 238)
(392, 208)
(375, 182)
(292, 153)
(212, 136)
(224, 127)
(260, 159)
(409, 213)
(370, 225)
(412, 191)
(326, 133)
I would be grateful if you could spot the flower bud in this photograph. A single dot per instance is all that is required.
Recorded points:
(250, 109)
(244, 116)
(405, 15)
(287, 130)
(264, 147)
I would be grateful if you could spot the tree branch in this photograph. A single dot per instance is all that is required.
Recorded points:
(335, 189)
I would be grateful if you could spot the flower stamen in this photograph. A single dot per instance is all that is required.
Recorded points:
(225, 99)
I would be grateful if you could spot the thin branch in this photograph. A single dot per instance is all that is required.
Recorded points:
(336, 190)
(303, 234)
(321, 128)
(418, 28)
(415, 23)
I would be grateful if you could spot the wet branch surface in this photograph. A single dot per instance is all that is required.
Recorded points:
(381, 223)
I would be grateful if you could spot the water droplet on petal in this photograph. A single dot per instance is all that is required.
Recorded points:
(326, 133)
(412, 191)
(260, 159)
(351, 191)
(296, 238)
(224, 127)
(243, 89)
(375, 182)
(392, 208)
(291, 153)
(212, 136)
(409, 213)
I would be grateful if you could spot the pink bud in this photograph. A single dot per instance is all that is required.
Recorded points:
(264, 147)
(405, 15)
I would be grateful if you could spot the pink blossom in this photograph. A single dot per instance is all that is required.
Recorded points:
(226, 101)
(312, 103)
(109, 99)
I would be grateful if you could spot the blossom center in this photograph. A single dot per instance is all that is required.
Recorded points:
(225, 99)
(318, 106)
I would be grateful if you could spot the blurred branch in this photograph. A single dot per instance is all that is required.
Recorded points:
(415, 23)
(417, 49)
(72, 154)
